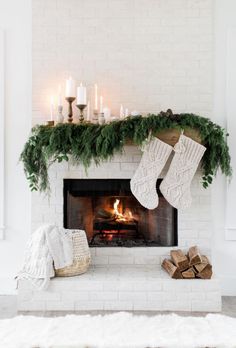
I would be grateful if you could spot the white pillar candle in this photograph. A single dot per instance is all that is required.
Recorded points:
(52, 108)
(70, 88)
(88, 111)
(81, 95)
(59, 96)
(96, 96)
(107, 114)
(121, 111)
(101, 104)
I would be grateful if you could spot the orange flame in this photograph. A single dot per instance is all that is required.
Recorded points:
(119, 216)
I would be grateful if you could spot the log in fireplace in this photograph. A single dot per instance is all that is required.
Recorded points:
(111, 216)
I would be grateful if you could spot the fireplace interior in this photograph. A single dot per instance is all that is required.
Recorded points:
(111, 216)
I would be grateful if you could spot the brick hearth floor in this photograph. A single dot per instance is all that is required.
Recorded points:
(133, 288)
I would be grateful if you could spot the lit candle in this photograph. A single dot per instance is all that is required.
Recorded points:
(81, 95)
(59, 96)
(96, 96)
(88, 111)
(121, 111)
(70, 88)
(51, 107)
(101, 104)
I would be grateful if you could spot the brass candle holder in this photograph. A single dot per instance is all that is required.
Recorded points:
(70, 110)
(81, 108)
(95, 115)
(50, 123)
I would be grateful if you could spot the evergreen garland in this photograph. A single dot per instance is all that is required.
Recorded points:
(86, 142)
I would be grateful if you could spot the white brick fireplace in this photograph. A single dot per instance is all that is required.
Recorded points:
(124, 278)
(148, 55)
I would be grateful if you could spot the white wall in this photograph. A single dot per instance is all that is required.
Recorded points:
(149, 55)
(15, 19)
(224, 251)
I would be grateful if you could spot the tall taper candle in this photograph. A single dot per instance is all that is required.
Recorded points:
(101, 104)
(51, 107)
(96, 96)
(59, 96)
(121, 111)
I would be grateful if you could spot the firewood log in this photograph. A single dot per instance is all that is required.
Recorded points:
(204, 269)
(179, 259)
(200, 267)
(189, 273)
(170, 268)
(194, 256)
(206, 273)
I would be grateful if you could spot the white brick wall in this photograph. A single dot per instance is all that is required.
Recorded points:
(146, 54)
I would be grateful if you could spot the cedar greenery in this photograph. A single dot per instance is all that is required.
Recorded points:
(86, 142)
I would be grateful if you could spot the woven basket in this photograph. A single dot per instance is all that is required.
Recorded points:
(81, 255)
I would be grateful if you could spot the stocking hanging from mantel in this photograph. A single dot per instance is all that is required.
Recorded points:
(176, 185)
(143, 183)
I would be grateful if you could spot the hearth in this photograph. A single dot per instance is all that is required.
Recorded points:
(111, 216)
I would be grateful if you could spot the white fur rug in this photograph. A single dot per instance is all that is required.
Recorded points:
(118, 330)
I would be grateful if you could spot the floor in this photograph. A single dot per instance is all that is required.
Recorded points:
(8, 309)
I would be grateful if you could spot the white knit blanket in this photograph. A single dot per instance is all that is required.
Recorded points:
(48, 247)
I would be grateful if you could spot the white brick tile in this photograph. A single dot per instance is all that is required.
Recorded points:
(121, 260)
(99, 260)
(89, 305)
(206, 306)
(104, 295)
(180, 305)
(46, 295)
(74, 296)
(88, 286)
(176, 285)
(118, 306)
(118, 286)
(67, 305)
(31, 306)
(148, 306)
(132, 296)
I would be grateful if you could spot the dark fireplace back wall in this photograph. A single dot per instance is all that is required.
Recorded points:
(111, 216)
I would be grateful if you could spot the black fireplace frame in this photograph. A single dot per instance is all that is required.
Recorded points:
(116, 187)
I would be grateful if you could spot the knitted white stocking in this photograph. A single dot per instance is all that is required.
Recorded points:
(143, 183)
(176, 185)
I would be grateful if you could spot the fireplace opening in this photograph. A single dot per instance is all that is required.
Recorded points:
(111, 216)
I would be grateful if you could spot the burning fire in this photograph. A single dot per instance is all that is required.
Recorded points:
(127, 216)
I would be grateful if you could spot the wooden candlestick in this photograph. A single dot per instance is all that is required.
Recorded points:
(70, 110)
(81, 108)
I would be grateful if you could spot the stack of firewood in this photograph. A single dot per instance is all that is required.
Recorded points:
(192, 265)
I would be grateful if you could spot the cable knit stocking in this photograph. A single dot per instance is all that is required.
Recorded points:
(143, 183)
(176, 185)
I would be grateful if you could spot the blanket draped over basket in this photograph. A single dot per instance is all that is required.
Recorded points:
(54, 251)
